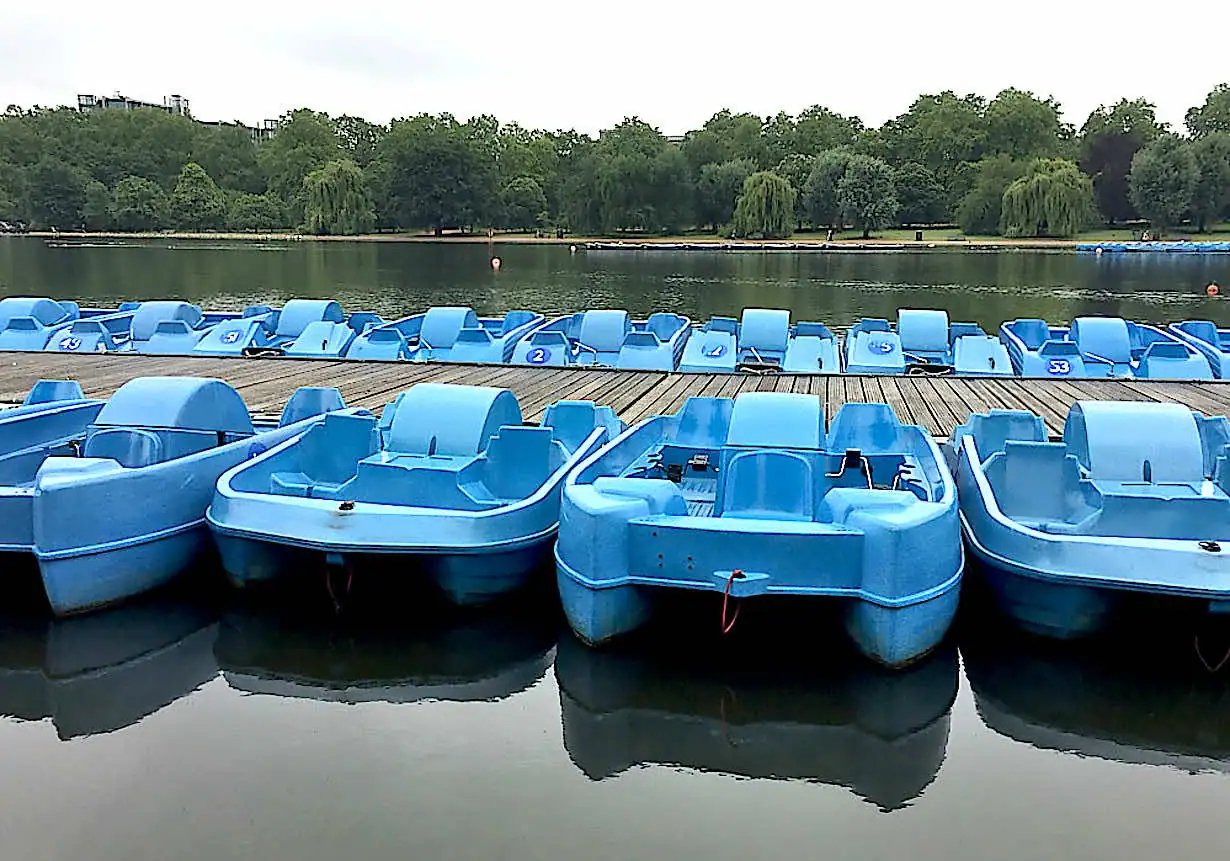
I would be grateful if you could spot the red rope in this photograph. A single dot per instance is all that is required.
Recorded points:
(727, 627)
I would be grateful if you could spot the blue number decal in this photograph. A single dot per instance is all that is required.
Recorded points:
(715, 352)
(538, 356)
(70, 343)
(1059, 367)
(231, 336)
(882, 347)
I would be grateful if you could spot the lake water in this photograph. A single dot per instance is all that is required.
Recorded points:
(401, 278)
(202, 725)
(196, 725)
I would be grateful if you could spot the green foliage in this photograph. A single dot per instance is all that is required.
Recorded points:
(1020, 125)
(919, 194)
(1109, 140)
(820, 192)
(1213, 116)
(139, 205)
(1211, 195)
(1053, 198)
(336, 202)
(1163, 181)
(55, 195)
(97, 210)
(980, 208)
(433, 172)
(795, 169)
(766, 207)
(254, 213)
(717, 189)
(940, 132)
(525, 204)
(726, 137)
(196, 204)
(866, 195)
(306, 141)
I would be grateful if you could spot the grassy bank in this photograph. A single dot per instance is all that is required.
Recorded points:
(944, 237)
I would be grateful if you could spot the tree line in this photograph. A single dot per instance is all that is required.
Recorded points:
(1007, 165)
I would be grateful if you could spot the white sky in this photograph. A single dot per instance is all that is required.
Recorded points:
(585, 65)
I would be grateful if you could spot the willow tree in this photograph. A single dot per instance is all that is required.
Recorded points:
(1053, 198)
(766, 207)
(337, 202)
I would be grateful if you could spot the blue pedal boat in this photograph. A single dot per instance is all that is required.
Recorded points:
(449, 475)
(762, 341)
(1209, 341)
(923, 341)
(38, 323)
(446, 334)
(1100, 347)
(149, 458)
(750, 497)
(302, 328)
(1132, 501)
(607, 339)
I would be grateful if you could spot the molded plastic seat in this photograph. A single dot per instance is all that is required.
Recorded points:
(50, 391)
(442, 324)
(443, 419)
(1032, 332)
(923, 331)
(768, 485)
(298, 313)
(519, 460)
(130, 447)
(871, 428)
(604, 331)
(765, 330)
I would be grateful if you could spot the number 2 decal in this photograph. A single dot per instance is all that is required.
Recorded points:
(538, 356)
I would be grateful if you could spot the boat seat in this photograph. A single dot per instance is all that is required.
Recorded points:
(1177, 512)
(703, 424)
(991, 430)
(1035, 482)
(129, 447)
(842, 504)
(296, 314)
(767, 485)
(1032, 332)
(519, 460)
(444, 419)
(425, 481)
(603, 332)
(327, 456)
(321, 338)
(974, 354)
(571, 422)
(514, 320)
(1202, 330)
(871, 428)
(663, 325)
(1104, 339)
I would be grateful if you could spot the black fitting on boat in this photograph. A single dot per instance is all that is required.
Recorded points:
(348, 505)
(1210, 546)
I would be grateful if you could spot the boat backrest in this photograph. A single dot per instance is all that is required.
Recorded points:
(723, 324)
(776, 485)
(444, 419)
(519, 459)
(1033, 479)
(329, 452)
(296, 314)
(50, 391)
(870, 428)
(704, 422)
(991, 430)
(442, 324)
(572, 422)
(923, 331)
(150, 315)
(664, 325)
(1203, 330)
(514, 320)
(776, 420)
(1032, 332)
(982, 354)
(604, 331)
(130, 447)
(44, 312)
(310, 401)
(1132, 441)
(1103, 337)
(813, 330)
(764, 330)
(1160, 356)
(321, 338)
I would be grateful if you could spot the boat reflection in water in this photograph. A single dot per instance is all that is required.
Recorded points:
(751, 708)
(1146, 700)
(386, 650)
(107, 670)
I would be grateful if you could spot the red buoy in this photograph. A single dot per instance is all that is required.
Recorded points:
(1212, 290)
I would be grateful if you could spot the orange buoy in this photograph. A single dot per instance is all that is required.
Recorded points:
(495, 263)
(1212, 289)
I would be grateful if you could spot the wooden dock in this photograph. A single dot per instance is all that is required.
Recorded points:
(938, 404)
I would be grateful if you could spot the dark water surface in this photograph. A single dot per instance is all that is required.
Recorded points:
(201, 725)
(197, 725)
(401, 278)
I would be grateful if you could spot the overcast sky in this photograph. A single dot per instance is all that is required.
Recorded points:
(586, 65)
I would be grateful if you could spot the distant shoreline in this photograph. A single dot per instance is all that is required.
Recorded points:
(939, 242)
